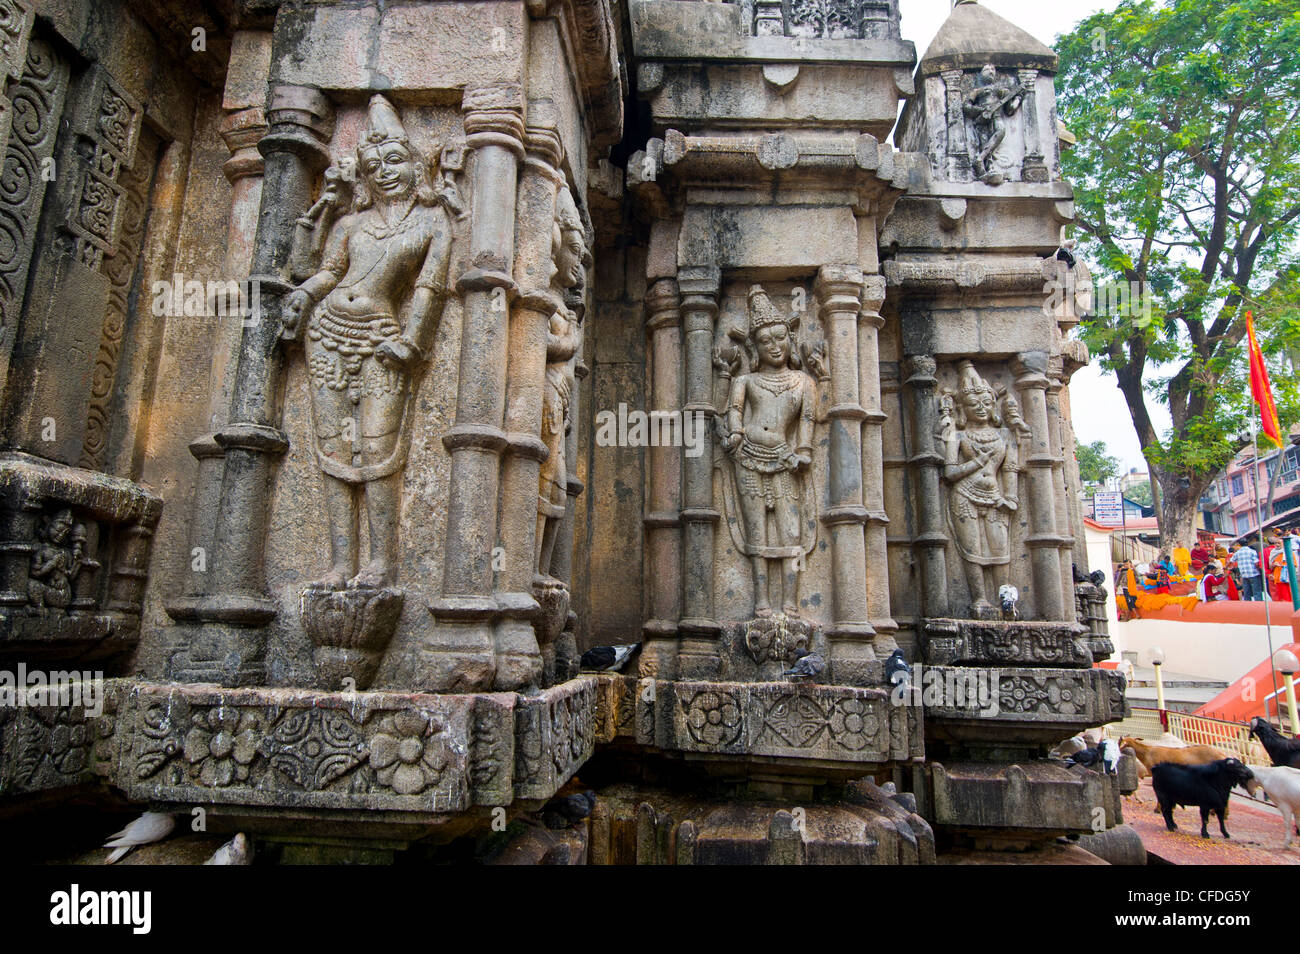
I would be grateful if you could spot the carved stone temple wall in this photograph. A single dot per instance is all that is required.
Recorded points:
(365, 363)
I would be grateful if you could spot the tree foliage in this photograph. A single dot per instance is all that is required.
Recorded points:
(1187, 184)
(1095, 465)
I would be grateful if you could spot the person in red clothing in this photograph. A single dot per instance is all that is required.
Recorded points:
(1200, 556)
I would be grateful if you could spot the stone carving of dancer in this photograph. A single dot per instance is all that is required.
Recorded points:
(986, 105)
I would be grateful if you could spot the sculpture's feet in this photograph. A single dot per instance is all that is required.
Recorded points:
(335, 579)
(374, 575)
(790, 610)
(763, 612)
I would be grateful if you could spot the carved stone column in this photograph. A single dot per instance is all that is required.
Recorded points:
(241, 131)
(663, 521)
(927, 463)
(1060, 485)
(463, 648)
(838, 289)
(699, 657)
(1030, 368)
(873, 474)
(958, 164)
(1032, 168)
(229, 646)
(539, 183)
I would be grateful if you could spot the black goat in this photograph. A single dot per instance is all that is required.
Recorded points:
(1281, 750)
(1205, 786)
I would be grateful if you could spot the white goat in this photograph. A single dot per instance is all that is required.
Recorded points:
(1282, 785)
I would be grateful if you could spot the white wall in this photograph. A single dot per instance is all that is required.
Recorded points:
(1225, 651)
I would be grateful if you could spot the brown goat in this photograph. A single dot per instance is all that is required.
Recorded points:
(1152, 755)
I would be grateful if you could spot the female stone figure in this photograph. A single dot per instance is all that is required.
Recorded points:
(56, 561)
(563, 339)
(374, 308)
(769, 421)
(981, 459)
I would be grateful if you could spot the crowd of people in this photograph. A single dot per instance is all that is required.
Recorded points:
(1206, 573)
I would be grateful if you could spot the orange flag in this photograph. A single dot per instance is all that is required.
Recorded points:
(1260, 389)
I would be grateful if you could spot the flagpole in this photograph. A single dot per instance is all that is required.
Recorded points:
(1263, 573)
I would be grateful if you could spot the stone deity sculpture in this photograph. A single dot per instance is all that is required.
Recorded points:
(563, 340)
(769, 422)
(990, 100)
(371, 313)
(982, 464)
(56, 561)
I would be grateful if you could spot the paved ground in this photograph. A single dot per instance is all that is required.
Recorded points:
(1256, 830)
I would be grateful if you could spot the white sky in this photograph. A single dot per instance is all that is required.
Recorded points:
(1099, 409)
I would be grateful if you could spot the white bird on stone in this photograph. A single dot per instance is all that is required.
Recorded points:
(145, 830)
(237, 851)
(1110, 755)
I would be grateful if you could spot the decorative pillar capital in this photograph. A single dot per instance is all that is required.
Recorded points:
(241, 131)
(300, 121)
(700, 285)
(494, 116)
(920, 369)
(1030, 369)
(663, 305)
(839, 287)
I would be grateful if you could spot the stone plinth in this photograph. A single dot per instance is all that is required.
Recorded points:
(1021, 800)
(952, 642)
(395, 758)
(786, 726)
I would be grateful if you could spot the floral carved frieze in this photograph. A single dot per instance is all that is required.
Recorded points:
(1051, 696)
(418, 753)
(826, 723)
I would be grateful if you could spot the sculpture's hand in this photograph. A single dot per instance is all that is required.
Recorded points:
(1007, 504)
(296, 307)
(733, 440)
(798, 462)
(396, 354)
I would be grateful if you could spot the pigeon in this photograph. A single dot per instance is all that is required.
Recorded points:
(1063, 254)
(237, 851)
(1079, 575)
(1087, 757)
(897, 672)
(567, 810)
(807, 665)
(145, 830)
(1110, 755)
(607, 658)
(1097, 577)
(1071, 745)
(1009, 596)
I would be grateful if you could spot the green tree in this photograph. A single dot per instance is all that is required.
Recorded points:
(1187, 186)
(1095, 465)
(1140, 493)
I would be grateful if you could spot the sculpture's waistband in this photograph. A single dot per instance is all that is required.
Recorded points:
(349, 334)
(764, 460)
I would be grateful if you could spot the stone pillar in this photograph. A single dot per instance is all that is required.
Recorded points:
(958, 156)
(1060, 485)
(663, 520)
(1032, 167)
(462, 655)
(514, 638)
(241, 131)
(235, 604)
(699, 656)
(838, 289)
(1030, 368)
(927, 463)
(873, 473)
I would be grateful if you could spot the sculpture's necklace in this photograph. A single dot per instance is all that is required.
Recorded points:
(377, 228)
(777, 382)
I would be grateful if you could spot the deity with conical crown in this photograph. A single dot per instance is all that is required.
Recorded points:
(374, 307)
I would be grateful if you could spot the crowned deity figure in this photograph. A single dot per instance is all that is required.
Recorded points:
(56, 561)
(563, 340)
(771, 411)
(371, 312)
(990, 100)
(982, 464)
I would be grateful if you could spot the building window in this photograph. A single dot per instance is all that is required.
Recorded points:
(1238, 485)
(1243, 523)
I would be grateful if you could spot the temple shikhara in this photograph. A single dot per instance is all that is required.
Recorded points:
(310, 316)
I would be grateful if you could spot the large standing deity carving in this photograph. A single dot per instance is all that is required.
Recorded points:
(370, 313)
(980, 442)
(563, 341)
(770, 414)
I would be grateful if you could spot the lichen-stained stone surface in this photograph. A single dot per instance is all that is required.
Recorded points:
(1028, 796)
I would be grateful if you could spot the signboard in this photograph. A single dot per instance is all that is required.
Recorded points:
(1108, 508)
